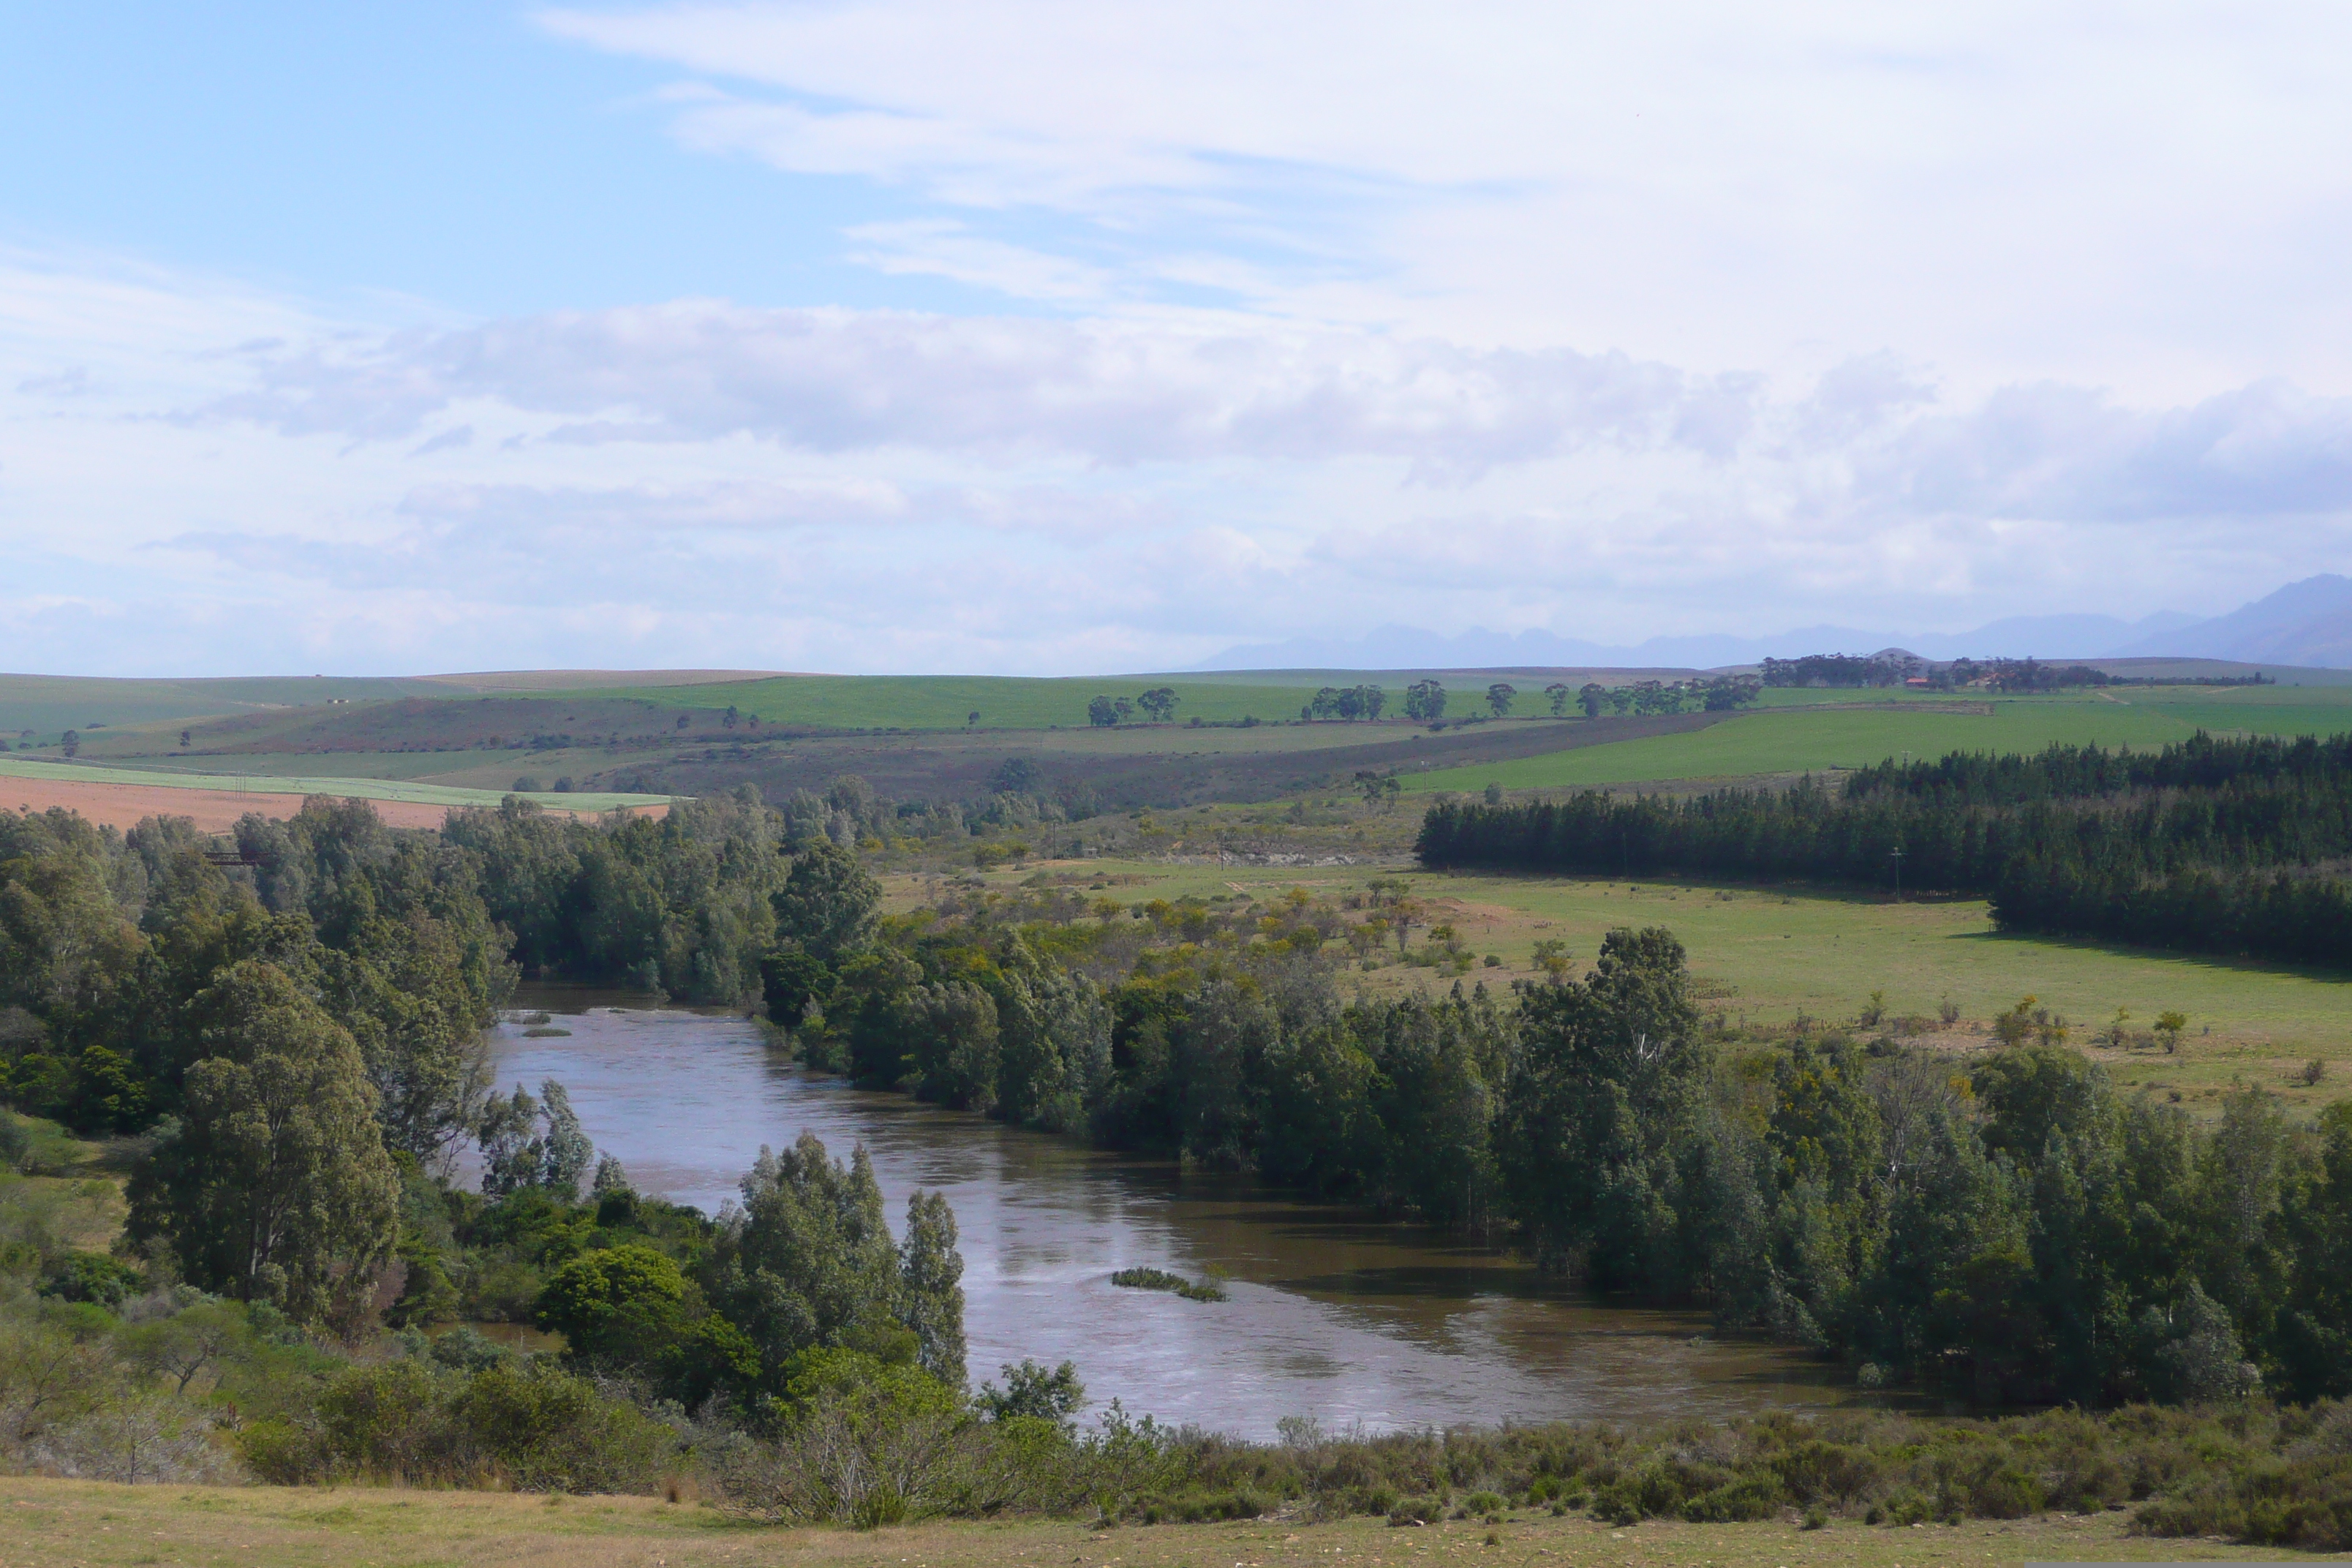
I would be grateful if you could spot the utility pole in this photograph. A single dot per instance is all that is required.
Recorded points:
(1896, 855)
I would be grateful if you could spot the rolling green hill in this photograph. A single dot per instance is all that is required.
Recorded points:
(947, 702)
(1800, 740)
(47, 704)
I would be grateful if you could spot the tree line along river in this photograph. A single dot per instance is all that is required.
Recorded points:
(1332, 1313)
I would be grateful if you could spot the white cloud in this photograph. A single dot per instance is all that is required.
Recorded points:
(1105, 391)
(941, 248)
(707, 484)
(2135, 196)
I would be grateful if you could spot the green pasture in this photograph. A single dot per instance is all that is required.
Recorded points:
(271, 783)
(50, 704)
(1818, 738)
(1126, 739)
(1770, 953)
(470, 769)
(386, 766)
(947, 702)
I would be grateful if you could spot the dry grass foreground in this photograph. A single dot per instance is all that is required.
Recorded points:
(68, 1525)
(213, 810)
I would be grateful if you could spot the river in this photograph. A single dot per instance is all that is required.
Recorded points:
(1333, 1314)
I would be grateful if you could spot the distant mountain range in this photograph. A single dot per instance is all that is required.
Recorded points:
(2306, 624)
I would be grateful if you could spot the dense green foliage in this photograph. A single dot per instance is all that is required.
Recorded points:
(275, 1185)
(172, 1386)
(2211, 846)
(1925, 1222)
(298, 1037)
(2010, 1227)
(677, 903)
(285, 1038)
(112, 947)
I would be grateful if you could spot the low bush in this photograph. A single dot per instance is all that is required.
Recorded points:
(94, 1278)
(524, 1424)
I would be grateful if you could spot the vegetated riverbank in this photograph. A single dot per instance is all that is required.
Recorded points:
(1335, 1313)
(1766, 958)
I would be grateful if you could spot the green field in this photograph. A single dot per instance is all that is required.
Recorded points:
(352, 786)
(391, 766)
(464, 742)
(463, 770)
(101, 1525)
(1812, 740)
(946, 702)
(50, 704)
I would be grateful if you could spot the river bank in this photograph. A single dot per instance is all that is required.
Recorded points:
(1332, 1313)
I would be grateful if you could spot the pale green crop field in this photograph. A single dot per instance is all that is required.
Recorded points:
(1813, 740)
(348, 786)
(947, 702)
(49, 704)
(387, 766)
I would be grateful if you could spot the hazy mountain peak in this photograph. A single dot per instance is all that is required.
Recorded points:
(2307, 623)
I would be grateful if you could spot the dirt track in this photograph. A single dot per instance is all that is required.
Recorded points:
(215, 810)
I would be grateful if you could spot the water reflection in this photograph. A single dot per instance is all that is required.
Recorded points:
(1332, 1314)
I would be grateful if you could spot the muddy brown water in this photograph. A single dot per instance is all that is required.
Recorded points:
(1333, 1314)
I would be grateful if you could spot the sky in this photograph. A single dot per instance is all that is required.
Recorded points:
(1048, 338)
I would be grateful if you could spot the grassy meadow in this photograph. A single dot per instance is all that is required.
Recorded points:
(352, 785)
(91, 1524)
(947, 702)
(1784, 738)
(50, 704)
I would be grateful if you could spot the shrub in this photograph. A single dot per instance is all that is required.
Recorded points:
(624, 1302)
(1985, 1479)
(544, 1430)
(1817, 1471)
(94, 1278)
(862, 1443)
(525, 1424)
(1206, 1508)
(146, 1435)
(1754, 1495)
